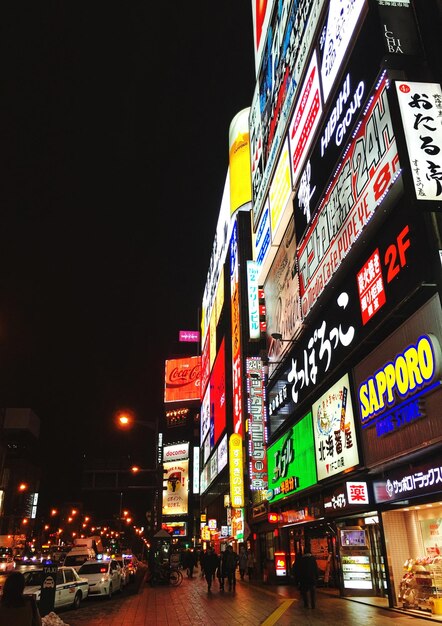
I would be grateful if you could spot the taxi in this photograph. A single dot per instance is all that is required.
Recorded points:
(70, 588)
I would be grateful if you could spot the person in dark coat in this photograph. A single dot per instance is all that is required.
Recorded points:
(220, 572)
(211, 562)
(305, 572)
(230, 565)
(16, 609)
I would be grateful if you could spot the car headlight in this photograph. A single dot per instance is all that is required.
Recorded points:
(105, 578)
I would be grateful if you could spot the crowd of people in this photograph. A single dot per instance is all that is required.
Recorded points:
(213, 567)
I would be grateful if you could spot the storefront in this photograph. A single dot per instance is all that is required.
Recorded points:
(400, 398)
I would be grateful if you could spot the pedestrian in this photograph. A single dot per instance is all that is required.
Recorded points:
(242, 562)
(190, 562)
(220, 572)
(15, 608)
(230, 565)
(211, 562)
(250, 564)
(305, 571)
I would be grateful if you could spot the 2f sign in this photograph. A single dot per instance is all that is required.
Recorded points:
(395, 257)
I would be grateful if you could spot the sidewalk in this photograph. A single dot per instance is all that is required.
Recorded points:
(252, 604)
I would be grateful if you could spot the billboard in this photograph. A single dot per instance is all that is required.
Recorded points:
(291, 32)
(336, 35)
(382, 276)
(364, 177)
(176, 478)
(182, 379)
(290, 461)
(239, 161)
(257, 423)
(421, 111)
(236, 471)
(218, 396)
(336, 447)
(283, 304)
(261, 11)
(341, 116)
(236, 332)
(176, 452)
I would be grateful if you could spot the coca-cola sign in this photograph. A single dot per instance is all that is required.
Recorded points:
(182, 379)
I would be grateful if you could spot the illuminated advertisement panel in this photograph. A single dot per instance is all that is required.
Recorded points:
(239, 161)
(349, 496)
(253, 300)
(176, 529)
(176, 478)
(381, 277)
(421, 111)
(182, 379)
(290, 37)
(261, 11)
(409, 482)
(290, 461)
(205, 365)
(217, 259)
(367, 173)
(236, 332)
(283, 304)
(279, 195)
(337, 125)
(336, 35)
(205, 415)
(305, 118)
(236, 471)
(196, 470)
(262, 237)
(176, 452)
(399, 388)
(336, 447)
(257, 423)
(218, 397)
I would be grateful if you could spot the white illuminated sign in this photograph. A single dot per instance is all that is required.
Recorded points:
(253, 300)
(176, 452)
(421, 111)
(337, 33)
(196, 470)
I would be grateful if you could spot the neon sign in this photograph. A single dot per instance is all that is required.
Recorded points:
(409, 371)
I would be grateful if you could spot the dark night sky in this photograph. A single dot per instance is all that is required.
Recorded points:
(114, 149)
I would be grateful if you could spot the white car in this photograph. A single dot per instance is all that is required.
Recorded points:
(104, 577)
(7, 564)
(70, 588)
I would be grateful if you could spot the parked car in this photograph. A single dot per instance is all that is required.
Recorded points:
(70, 588)
(104, 577)
(131, 563)
(77, 556)
(7, 563)
(125, 573)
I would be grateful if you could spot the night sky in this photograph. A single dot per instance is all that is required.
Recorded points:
(114, 150)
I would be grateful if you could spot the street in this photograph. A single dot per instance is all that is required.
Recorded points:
(251, 604)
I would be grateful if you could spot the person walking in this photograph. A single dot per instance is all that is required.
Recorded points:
(305, 572)
(242, 562)
(15, 608)
(220, 572)
(189, 562)
(230, 565)
(250, 564)
(211, 562)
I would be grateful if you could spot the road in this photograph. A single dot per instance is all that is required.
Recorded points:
(250, 605)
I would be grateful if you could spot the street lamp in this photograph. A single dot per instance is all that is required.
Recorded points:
(126, 419)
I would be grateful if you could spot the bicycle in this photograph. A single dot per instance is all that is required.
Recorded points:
(164, 574)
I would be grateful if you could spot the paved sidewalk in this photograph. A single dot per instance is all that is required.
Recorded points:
(250, 605)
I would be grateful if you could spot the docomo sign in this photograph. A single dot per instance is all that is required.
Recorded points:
(176, 452)
(368, 171)
(408, 372)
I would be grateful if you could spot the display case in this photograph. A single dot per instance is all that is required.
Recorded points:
(421, 584)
